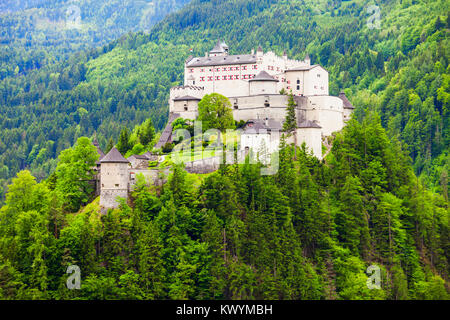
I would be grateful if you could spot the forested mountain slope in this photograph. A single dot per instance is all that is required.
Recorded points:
(400, 70)
(310, 231)
(36, 33)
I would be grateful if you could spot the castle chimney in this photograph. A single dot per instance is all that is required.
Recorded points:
(259, 52)
(307, 60)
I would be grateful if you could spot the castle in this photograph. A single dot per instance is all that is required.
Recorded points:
(255, 84)
(252, 83)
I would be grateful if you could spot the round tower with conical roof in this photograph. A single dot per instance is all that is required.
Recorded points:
(114, 179)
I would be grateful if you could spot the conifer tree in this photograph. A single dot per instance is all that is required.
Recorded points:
(290, 122)
(123, 145)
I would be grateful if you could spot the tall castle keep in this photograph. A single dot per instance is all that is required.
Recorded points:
(252, 83)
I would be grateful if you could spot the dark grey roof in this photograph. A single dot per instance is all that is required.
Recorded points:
(186, 98)
(167, 133)
(222, 60)
(114, 156)
(347, 103)
(255, 125)
(263, 76)
(303, 68)
(307, 124)
(189, 58)
(139, 156)
(148, 154)
(219, 47)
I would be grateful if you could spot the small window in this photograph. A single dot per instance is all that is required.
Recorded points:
(318, 75)
(298, 81)
(185, 108)
(193, 82)
(298, 87)
(117, 185)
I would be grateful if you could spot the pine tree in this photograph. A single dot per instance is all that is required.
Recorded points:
(290, 123)
(124, 141)
(110, 145)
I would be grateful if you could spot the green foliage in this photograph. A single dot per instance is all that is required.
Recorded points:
(123, 145)
(308, 232)
(75, 173)
(214, 110)
(401, 70)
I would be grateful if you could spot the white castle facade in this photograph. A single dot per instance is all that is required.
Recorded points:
(253, 83)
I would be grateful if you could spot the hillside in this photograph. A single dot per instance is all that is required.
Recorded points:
(400, 70)
(308, 232)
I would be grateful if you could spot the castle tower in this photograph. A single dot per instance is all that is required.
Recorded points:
(263, 83)
(114, 179)
(220, 49)
(97, 166)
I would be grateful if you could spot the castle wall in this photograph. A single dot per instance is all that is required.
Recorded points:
(187, 109)
(307, 82)
(203, 166)
(263, 87)
(153, 176)
(327, 111)
(259, 107)
(181, 91)
(347, 114)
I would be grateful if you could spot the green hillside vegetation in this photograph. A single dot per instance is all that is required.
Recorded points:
(308, 232)
(400, 70)
(37, 33)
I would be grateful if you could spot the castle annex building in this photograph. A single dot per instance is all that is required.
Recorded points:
(252, 82)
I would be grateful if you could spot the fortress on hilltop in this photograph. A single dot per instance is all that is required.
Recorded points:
(253, 82)
(256, 85)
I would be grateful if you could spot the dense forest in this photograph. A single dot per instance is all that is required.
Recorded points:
(37, 33)
(307, 232)
(400, 70)
(380, 196)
